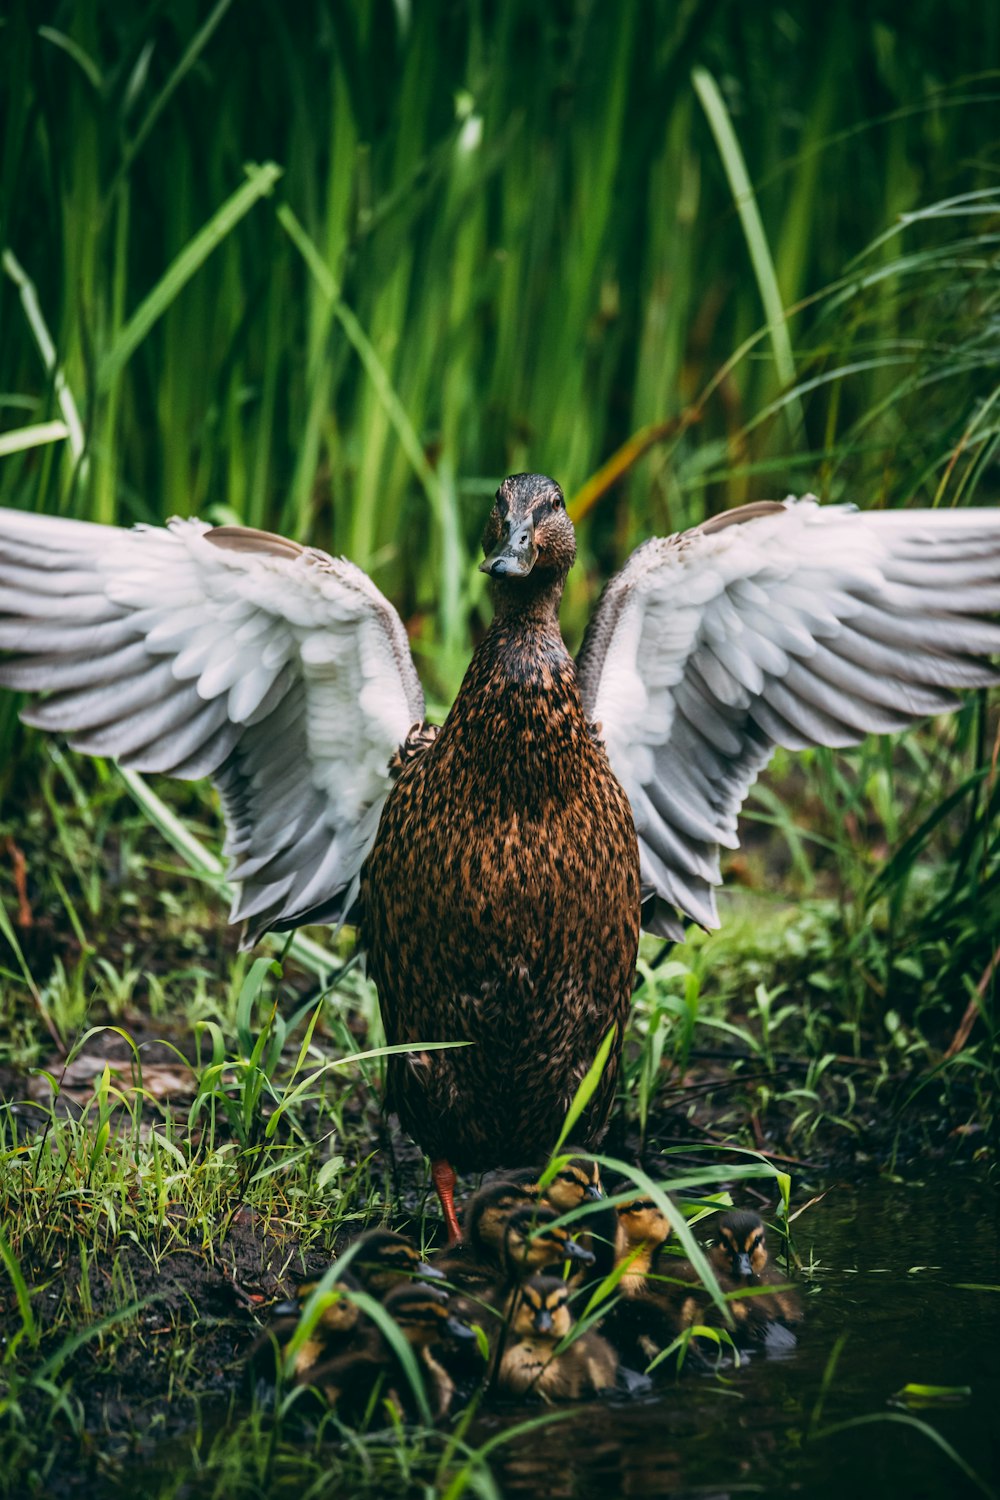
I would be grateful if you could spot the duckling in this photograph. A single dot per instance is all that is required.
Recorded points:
(339, 1323)
(488, 1214)
(384, 1259)
(535, 1241)
(475, 1265)
(739, 1259)
(530, 1363)
(643, 1229)
(381, 1261)
(741, 1263)
(353, 1381)
(500, 867)
(577, 1181)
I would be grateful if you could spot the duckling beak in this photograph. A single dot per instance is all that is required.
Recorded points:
(543, 1320)
(741, 1264)
(573, 1251)
(459, 1330)
(593, 1193)
(424, 1272)
(514, 556)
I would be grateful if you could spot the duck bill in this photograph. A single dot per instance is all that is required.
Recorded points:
(424, 1272)
(515, 556)
(573, 1251)
(543, 1321)
(459, 1330)
(593, 1193)
(742, 1266)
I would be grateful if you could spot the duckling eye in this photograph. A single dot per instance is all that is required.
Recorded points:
(558, 503)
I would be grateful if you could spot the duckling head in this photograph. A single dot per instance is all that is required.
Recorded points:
(340, 1315)
(543, 1308)
(534, 1240)
(528, 531)
(488, 1213)
(642, 1222)
(741, 1251)
(577, 1181)
(384, 1260)
(424, 1316)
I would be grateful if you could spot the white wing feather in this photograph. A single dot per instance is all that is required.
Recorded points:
(782, 624)
(279, 671)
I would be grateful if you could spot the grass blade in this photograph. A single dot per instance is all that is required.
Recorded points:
(753, 230)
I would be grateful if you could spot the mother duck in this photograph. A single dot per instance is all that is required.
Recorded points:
(500, 866)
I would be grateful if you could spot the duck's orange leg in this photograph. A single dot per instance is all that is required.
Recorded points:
(444, 1179)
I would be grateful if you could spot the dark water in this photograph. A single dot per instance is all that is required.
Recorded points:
(887, 1266)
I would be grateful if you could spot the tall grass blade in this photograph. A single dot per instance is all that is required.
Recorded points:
(32, 437)
(753, 230)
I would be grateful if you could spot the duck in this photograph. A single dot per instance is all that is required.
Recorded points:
(381, 1260)
(643, 1230)
(532, 1362)
(577, 1181)
(499, 866)
(353, 1382)
(338, 1325)
(760, 1297)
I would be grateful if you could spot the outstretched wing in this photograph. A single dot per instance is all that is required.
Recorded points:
(280, 672)
(775, 624)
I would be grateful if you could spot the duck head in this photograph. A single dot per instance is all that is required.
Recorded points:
(641, 1222)
(529, 533)
(741, 1251)
(384, 1259)
(577, 1181)
(543, 1308)
(535, 1240)
(424, 1315)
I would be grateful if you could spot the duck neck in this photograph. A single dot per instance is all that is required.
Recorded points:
(531, 602)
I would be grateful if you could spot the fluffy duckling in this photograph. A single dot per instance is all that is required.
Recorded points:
(578, 1181)
(535, 1242)
(338, 1324)
(353, 1382)
(643, 1229)
(384, 1260)
(476, 1264)
(531, 1365)
(741, 1262)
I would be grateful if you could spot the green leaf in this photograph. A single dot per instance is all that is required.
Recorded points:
(581, 1099)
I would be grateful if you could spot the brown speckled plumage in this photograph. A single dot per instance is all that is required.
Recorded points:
(501, 899)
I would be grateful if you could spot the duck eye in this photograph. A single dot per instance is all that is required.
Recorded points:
(558, 502)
